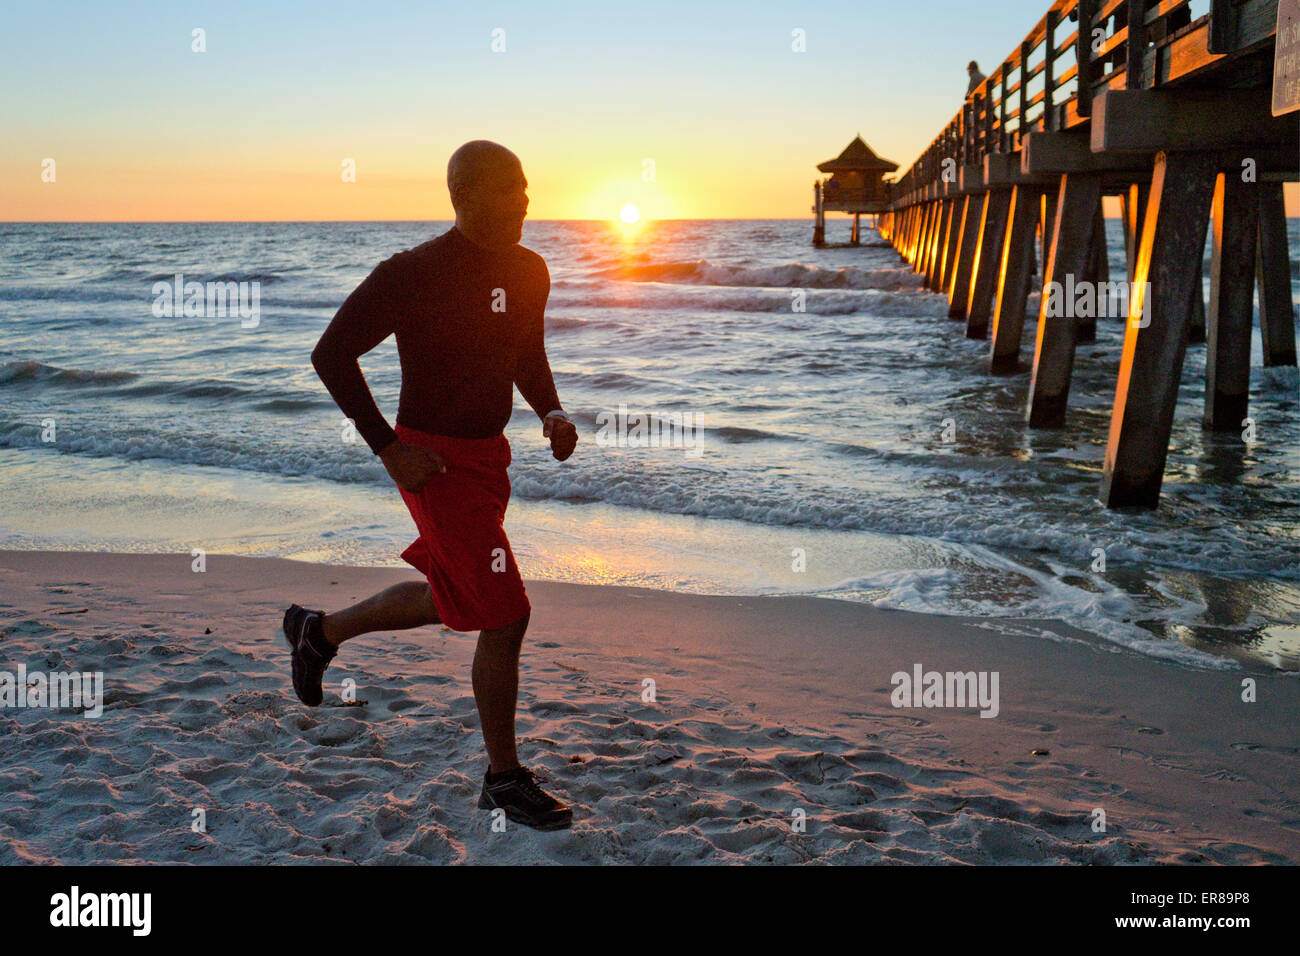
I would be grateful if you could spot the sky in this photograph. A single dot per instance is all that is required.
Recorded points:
(260, 125)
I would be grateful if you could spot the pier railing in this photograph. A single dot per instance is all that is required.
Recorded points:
(1037, 87)
(1179, 116)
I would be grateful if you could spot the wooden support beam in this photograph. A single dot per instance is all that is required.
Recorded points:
(1049, 81)
(1047, 224)
(1013, 279)
(1086, 10)
(931, 225)
(1056, 153)
(932, 249)
(1136, 48)
(1049, 389)
(959, 291)
(1147, 120)
(1223, 27)
(1196, 320)
(819, 221)
(988, 262)
(1276, 317)
(1173, 236)
(1133, 210)
(918, 235)
(1004, 169)
(1098, 271)
(931, 213)
(952, 243)
(941, 245)
(1232, 288)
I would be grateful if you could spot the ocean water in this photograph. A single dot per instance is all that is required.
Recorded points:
(856, 449)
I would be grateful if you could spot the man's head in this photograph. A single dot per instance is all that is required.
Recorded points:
(973, 68)
(487, 187)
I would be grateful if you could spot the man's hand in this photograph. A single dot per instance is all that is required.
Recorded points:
(411, 466)
(563, 435)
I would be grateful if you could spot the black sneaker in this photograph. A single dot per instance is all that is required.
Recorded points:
(311, 653)
(518, 794)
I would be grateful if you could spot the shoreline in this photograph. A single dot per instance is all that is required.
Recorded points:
(764, 706)
(1201, 617)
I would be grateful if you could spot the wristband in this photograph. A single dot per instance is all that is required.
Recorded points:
(549, 421)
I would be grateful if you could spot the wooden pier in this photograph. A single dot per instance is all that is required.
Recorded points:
(1183, 120)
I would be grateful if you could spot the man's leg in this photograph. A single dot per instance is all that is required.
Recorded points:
(508, 786)
(402, 606)
(496, 688)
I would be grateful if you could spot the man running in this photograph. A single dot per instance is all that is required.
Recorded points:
(466, 308)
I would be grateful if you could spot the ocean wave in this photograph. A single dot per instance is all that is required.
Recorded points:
(126, 384)
(210, 388)
(738, 301)
(789, 275)
(565, 323)
(32, 371)
(705, 488)
(1004, 524)
(601, 380)
(269, 455)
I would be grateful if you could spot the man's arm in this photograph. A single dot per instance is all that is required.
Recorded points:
(537, 384)
(366, 318)
(533, 370)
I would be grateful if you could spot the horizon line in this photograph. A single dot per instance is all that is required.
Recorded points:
(231, 222)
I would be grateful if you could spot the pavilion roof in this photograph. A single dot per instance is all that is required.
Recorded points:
(857, 156)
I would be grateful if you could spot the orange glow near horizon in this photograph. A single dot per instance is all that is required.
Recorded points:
(291, 182)
(690, 113)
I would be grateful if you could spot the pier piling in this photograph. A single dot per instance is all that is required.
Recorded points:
(1232, 287)
(1174, 115)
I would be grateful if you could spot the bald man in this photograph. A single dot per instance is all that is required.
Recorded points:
(466, 308)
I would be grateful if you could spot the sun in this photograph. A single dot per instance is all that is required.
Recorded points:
(629, 214)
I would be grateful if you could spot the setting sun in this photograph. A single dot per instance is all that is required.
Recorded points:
(630, 214)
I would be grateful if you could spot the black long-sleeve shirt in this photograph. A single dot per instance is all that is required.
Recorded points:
(469, 327)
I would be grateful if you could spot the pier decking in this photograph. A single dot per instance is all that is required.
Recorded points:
(1173, 115)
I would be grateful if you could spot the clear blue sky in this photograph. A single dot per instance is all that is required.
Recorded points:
(257, 126)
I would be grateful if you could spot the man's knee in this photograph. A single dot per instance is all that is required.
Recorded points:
(512, 631)
(430, 607)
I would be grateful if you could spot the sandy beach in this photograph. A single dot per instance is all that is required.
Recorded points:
(771, 737)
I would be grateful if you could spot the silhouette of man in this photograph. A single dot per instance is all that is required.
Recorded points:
(467, 310)
(976, 77)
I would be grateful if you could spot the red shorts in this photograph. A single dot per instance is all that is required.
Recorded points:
(463, 549)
